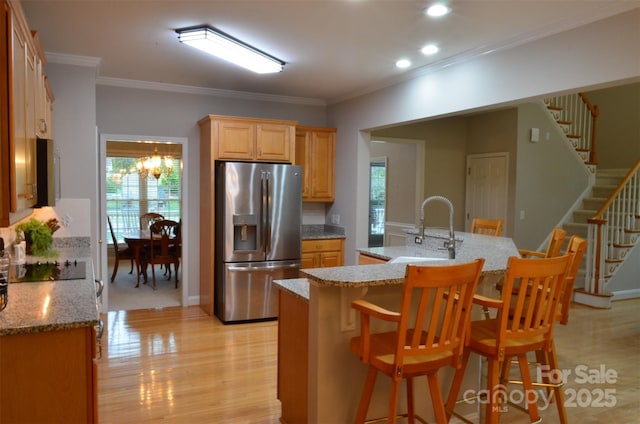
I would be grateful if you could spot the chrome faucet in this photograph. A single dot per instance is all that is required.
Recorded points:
(451, 247)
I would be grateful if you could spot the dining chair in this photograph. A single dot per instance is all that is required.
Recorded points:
(162, 248)
(146, 219)
(526, 313)
(176, 247)
(553, 248)
(490, 227)
(424, 340)
(120, 254)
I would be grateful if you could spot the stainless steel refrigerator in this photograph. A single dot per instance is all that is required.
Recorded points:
(258, 224)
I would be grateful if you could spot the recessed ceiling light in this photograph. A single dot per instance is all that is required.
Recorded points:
(430, 49)
(437, 10)
(403, 63)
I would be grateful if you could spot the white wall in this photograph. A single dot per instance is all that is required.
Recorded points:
(618, 125)
(401, 179)
(74, 127)
(550, 177)
(583, 57)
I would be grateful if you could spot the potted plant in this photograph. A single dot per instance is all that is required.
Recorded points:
(38, 235)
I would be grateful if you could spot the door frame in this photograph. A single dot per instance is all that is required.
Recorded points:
(102, 199)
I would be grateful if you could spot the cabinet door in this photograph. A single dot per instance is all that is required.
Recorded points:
(236, 140)
(22, 196)
(32, 83)
(48, 110)
(6, 191)
(308, 260)
(48, 376)
(274, 142)
(322, 150)
(302, 150)
(329, 259)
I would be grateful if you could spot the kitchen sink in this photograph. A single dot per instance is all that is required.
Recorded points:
(413, 259)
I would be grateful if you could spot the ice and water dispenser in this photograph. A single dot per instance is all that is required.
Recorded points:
(245, 233)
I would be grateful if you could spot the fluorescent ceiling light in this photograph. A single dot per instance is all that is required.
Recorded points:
(437, 10)
(225, 47)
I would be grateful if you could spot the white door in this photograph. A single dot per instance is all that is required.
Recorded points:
(487, 187)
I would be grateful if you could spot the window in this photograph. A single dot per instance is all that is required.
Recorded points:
(129, 194)
(377, 201)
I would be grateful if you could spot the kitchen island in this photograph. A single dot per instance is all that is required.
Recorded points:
(48, 350)
(330, 377)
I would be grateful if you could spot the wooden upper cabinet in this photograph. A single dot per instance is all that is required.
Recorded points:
(5, 166)
(274, 142)
(22, 137)
(238, 138)
(316, 153)
(26, 113)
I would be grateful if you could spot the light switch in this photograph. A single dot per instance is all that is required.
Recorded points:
(535, 135)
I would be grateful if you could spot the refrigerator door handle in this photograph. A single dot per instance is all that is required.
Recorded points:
(267, 229)
(263, 211)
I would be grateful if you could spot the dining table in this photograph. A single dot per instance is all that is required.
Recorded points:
(137, 240)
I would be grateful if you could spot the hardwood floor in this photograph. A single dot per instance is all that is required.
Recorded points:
(179, 365)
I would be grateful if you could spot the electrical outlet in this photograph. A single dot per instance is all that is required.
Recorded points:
(335, 219)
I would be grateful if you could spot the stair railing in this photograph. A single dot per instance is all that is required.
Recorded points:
(583, 115)
(607, 233)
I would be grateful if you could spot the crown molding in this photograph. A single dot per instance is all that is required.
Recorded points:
(71, 59)
(216, 92)
(94, 62)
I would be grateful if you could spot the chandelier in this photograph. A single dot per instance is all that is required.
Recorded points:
(153, 165)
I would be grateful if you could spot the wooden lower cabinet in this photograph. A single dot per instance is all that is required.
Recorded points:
(49, 377)
(369, 260)
(322, 253)
(293, 357)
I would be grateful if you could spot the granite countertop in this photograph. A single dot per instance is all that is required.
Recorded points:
(51, 305)
(314, 232)
(297, 286)
(495, 250)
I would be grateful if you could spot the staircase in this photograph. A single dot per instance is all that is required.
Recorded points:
(606, 182)
(609, 216)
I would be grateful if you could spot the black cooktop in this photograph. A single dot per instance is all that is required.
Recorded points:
(47, 271)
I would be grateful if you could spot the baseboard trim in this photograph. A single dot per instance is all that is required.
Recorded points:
(596, 300)
(626, 294)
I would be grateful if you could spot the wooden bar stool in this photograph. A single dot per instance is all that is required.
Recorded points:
(490, 227)
(527, 312)
(425, 340)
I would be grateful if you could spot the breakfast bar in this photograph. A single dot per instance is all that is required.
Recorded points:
(327, 382)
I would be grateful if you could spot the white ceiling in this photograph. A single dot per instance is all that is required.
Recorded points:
(334, 49)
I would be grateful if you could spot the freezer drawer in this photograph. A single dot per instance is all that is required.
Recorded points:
(246, 292)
